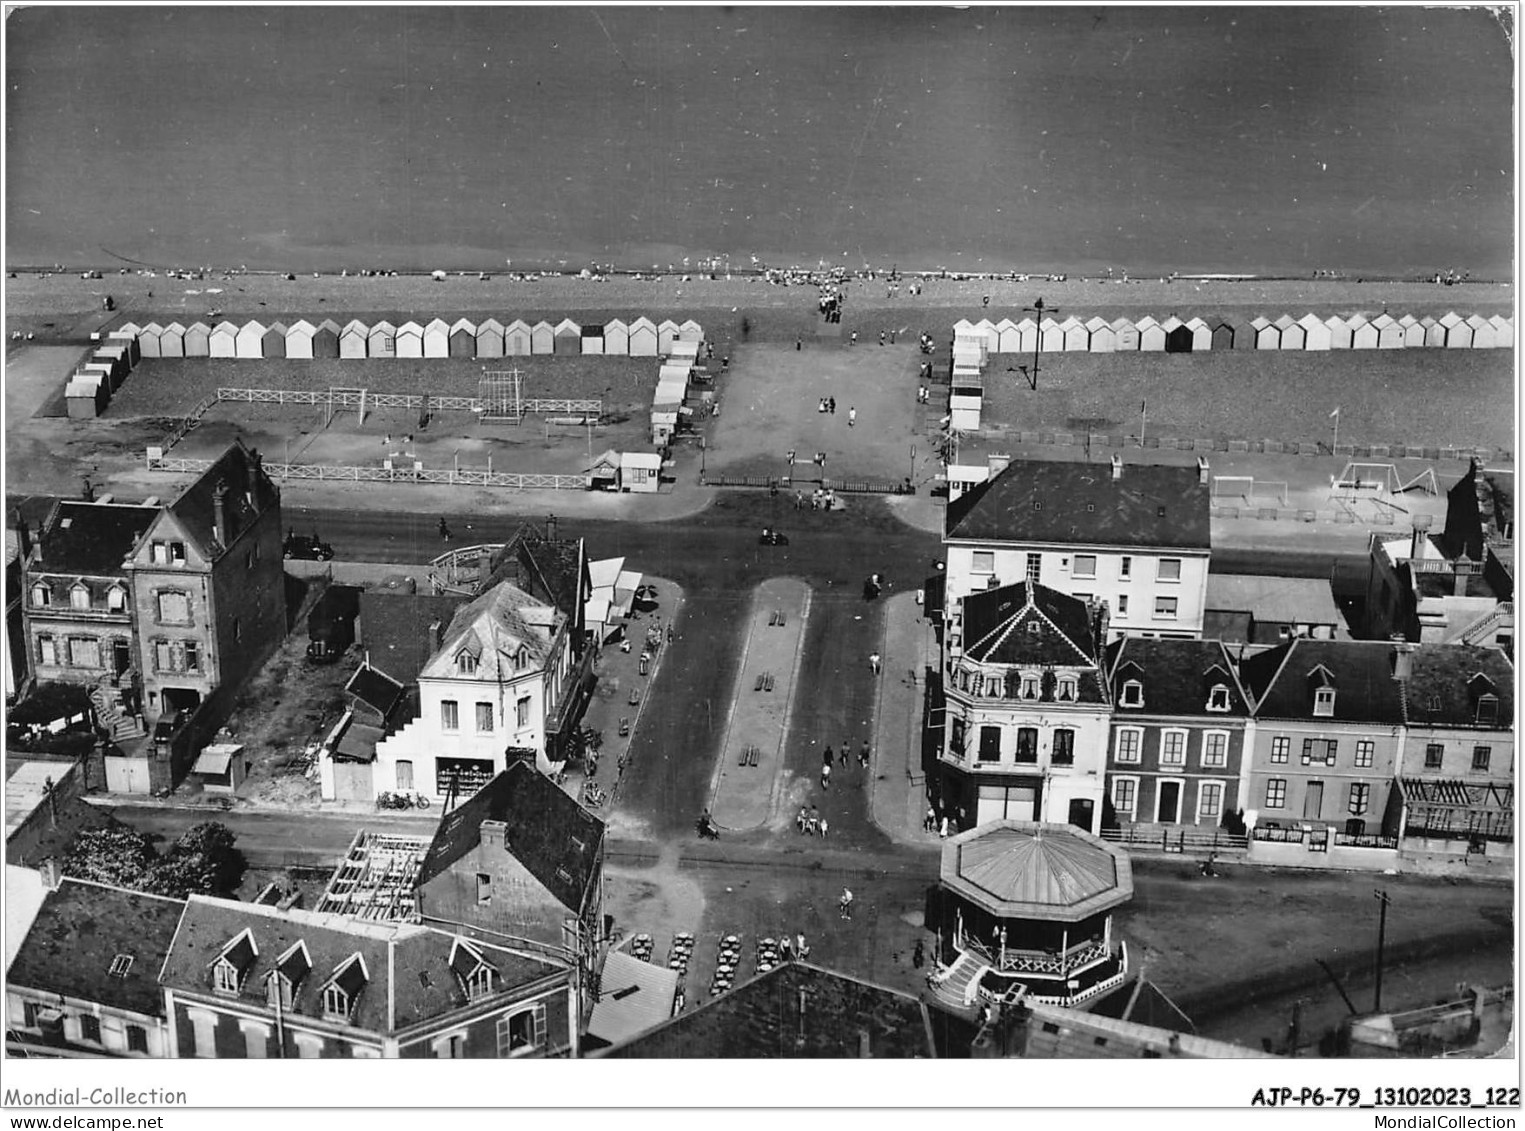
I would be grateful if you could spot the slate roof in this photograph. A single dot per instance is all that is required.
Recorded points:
(1177, 675)
(633, 996)
(1281, 681)
(79, 931)
(1081, 504)
(1027, 870)
(495, 627)
(1274, 600)
(408, 977)
(762, 1018)
(558, 841)
(90, 538)
(548, 568)
(375, 689)
(1440, 691)
(250, 494)
(394, 628)
(997, 627)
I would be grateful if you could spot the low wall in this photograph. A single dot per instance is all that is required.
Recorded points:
(1296, 855)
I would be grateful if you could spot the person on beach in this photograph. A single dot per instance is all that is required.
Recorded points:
(852, 417)
(852, 338)
(825, 778)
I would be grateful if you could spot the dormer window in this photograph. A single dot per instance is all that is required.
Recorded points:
(290, 969)
(116, 599)
(344, 988)
(79, 597)
(1323, 701)
(475, 975)
(1217, 698)
(1034, 628)
(1030, 684)
(336, 1003)
(1133, 694)
(1487, 710)
(232, 965)
(465, 662)
(1068, 687)
(42, 596)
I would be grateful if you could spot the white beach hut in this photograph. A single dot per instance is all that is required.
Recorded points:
(1339, 332)
(1077, 339)
(1151, 335)
(409, 340)
(1125, 331)
(1363, 335)
(223, 340)
(172, 340)
(1051, 336)
(1006, 336)
(542, 338)
(1267, 333)
(1413, 332)
(1503, 332)
(667, 333)
(1201, 335)
(299, 339)
(1027, 336)
(1389, 333)
(437, 338)
(987, 329)
(1315, 332)
(250, 340)
(617, 338)
(1458, 333)
(198, 340)
(643, 337)
(518, 339)
(381, 340)
(690, 331)
(489, 338)
(1101, 337)
(1482, 332)
(1290, 334)
(148, 340)
(354, 339)
(1434, 333)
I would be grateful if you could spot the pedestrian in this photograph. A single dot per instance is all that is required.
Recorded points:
(852, 417)
(929, 822)
(944, 831)
(881, 337)
(863, 753)
(799, 343)
(918, 956)
(801, 951)
(873, 662)
(832, 405)
(845, 904)
(842, 757)
(825, 778)
(986, 301)
(799, 499)
(810, 826)
(799, 819)
(852, 338)
(826, 757)
(892, 336)
(786, 948)
(823, 828)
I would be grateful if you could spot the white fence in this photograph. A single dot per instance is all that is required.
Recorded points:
(364, 399)
(333, 472)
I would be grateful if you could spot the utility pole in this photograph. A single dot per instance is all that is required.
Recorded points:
(1382, 902)
(1038, 308)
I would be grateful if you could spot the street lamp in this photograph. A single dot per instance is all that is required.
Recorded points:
(1038, 308)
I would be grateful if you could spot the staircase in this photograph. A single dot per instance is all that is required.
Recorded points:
(956, 985)
(109, 716)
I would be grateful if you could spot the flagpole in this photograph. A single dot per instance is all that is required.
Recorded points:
(1143, 424)
(1336, 415)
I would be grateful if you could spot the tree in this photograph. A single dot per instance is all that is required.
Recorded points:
(205, 860)
(118, 856)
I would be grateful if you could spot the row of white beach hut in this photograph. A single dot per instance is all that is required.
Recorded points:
(640, 337)
(89, 388)
(1173, 335)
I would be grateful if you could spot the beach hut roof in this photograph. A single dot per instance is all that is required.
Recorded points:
(1477, 321)
(667, 324)
(1384, 320)
(152, 328)
(544, 323)
(301, 326)
(1285, 321)
(1071, 323)
(1027, 324)
(489, 324)
(1097, 322)
(1428, 321)
(330, 325)
(410, 328)
(642, 321)
(1171, 323)
(1408, 320)
(1147, 322)
(277, 327)
(691, 327)
(1260, 322)
(1309, 321)
(355, 324)
(1005, 324)
(1195, 324)
(1124, 324)
(463, 324)
(202, 326)
(1499, 322)
(383, 327)
(615, 324)
(127, 328)
(437, 324)
(568, 324)
(225, 327)
(1450, 318)
(963, 326)
(1335, 322)
(517, 324)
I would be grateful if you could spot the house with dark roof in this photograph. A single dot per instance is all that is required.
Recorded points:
(86, 977)
(1178, 734)
(520, 859)
(208, 585)
(18, 663)
(1456, 773)
(503, 669)
(1453, 586)
(249, 981)
(793, 1011)
(1135, 537)
(1026, 709)
(78, 600)
(397, 631)
(1328, 734)
(544, 565)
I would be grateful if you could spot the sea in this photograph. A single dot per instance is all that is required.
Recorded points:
(1085, 140)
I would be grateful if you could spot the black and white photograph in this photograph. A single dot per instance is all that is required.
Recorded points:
(754, 537)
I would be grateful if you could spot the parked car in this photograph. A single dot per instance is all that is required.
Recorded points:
(307, 547)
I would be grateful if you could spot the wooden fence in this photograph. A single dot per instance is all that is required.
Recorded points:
(524, 481)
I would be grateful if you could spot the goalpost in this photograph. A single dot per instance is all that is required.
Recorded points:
(501, 394)
(339, 397)
(1249, 490)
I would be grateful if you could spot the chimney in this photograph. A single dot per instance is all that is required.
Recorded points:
(23, 538)
(495, 835)
(1403, 660)
(799, 1039)
(1175, 1044)
(1202, 470)
(1416, 541)
(220, 512)
(48, 869)
(436, 635)
(864, 1050)
(1102, 619)
(1117, 467)
(997, 464)
(1459, 580)
(550, 528)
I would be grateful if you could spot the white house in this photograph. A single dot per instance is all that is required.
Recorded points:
(1135, 537)
(640, 471)
(484, 697)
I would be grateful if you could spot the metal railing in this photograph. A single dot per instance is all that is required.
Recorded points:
(524, 481)
(1177, 840)
(353, 398)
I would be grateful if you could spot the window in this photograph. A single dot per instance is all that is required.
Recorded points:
(465, 662)
(484, 888)
(1366, 751)
(990, 744)
(1125, 567)
(1085, 565)
(225, 977)
(984, 561)
(164, 657)
(1434, 756)
(450, 715)
(1487, 710)
(484, 718)
(1481, 756)
(1133, 694)
(1173, 748)
(47, 651)
(1027, 744)
(79, 597)
(1034, 568)
(1323, 701)
(174, 608)
(1122, 605)
(1319, 751)
(956, 738)
(120, 965)
(336, 1004)
(1165, 607)
(159, 554)
(90, 1028)
(1281, 748)
(177, 553)
(1129, 742)
(204, 1029)
(1064, 747)
(1068, 688)
(137, 1039)
(1124, 790)
(450, 1047)
(309, 1047)
(1360, 797)
(29, 1012)
(1030, 684)
(256, 1040)
(192, 656)
(1217, 698)
(84, 652)
(1209, 799)
(522, 711)
(521, 1033)
(116, 599)
(278, 991)
(1276, 793)
(1215, 749)
(42, 596)
(1170, 569)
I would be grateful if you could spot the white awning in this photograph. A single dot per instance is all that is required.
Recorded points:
(605, 572)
